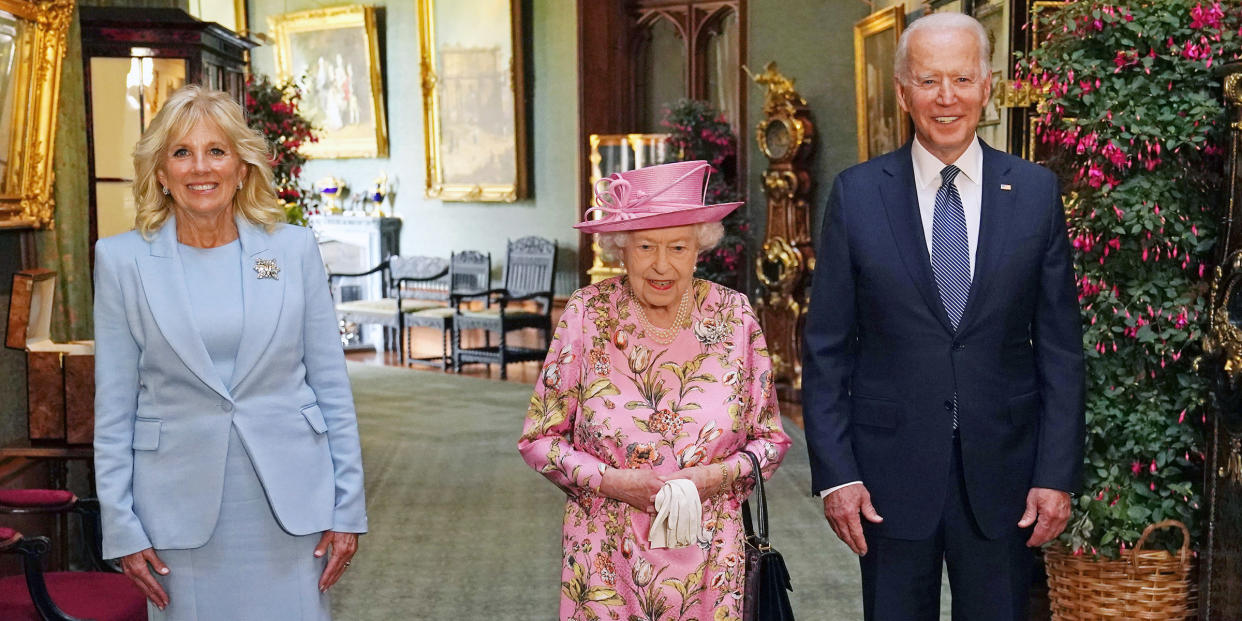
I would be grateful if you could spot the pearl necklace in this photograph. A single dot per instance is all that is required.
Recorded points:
(664, 336)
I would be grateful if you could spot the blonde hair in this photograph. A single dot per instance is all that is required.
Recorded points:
(184, 109)
(612, 245)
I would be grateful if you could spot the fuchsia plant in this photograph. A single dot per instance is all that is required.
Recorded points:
(272, 109)
(1133, 117)
(698, 132)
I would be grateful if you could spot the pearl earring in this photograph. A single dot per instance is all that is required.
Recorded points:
(165, 189)
(239, 185)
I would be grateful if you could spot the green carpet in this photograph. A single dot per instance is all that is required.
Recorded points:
(462, 529)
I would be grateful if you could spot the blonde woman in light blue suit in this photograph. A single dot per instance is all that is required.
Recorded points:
(227, 458)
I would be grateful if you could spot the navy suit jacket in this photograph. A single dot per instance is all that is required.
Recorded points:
(882, 362)
(163, 414)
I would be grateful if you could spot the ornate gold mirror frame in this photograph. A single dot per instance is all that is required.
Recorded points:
(29, 97)
(474, 100)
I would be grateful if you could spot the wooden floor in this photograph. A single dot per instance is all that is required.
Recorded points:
(426, 342)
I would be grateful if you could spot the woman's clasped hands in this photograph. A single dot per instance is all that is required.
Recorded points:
(639, 487)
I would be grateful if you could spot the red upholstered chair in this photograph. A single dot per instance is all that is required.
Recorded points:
(63, 595)
(61, 502)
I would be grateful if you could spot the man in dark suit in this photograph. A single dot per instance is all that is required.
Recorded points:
(943, 373)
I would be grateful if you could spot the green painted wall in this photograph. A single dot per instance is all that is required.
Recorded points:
(12, 361)
(434, 227)
(812, 42)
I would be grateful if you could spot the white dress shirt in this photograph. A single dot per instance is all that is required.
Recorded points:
(927, 182)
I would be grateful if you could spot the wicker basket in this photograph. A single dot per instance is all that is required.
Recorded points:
(1141, 585)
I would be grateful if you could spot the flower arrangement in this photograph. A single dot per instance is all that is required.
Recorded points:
(1133, 117)
(698, 132)
(272, 109)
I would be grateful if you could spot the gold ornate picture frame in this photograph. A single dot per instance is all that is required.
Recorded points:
(32, 47)
(882, 125)
(474, 111)
(334, 54)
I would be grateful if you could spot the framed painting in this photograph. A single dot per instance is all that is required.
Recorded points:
(474, 111)
(32, 48)
(334, 55)
(882, 124)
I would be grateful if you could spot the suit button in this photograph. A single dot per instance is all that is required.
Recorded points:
(948, 405)
(959, 346)
(226, 406)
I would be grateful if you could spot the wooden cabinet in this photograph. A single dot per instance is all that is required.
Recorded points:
(133, 60)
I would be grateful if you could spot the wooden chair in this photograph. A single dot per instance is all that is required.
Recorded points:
(409, 284)
(36, 595)
(469, 271)
(530, 271)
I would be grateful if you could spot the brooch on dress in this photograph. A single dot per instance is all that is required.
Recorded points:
(266, 268)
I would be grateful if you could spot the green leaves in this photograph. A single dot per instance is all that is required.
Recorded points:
(1135, 124)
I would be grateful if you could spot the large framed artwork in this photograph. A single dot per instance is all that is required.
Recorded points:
(473, 99)
(334, 55)
(882, 124)
(32, 48)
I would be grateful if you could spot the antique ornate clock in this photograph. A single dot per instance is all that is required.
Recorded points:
(786, 259)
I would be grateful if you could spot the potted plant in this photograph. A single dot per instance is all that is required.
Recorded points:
(272, 109)
(697, 131)
(1134, 121)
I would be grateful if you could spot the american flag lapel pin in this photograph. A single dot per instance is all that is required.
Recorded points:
(1006, 187)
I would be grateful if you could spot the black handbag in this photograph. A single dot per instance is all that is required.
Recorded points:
(767, 579)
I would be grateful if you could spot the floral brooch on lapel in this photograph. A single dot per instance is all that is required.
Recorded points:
(266, 268)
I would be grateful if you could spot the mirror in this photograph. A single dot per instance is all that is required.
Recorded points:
(32, 46)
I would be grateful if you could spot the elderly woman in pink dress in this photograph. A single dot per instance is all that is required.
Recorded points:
(654, 386)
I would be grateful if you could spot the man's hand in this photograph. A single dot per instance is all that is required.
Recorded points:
(1052, 508)
(842, 507)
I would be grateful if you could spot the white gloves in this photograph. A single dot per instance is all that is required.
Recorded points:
(679, 515)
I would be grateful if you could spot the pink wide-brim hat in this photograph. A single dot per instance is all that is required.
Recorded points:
(654, 197)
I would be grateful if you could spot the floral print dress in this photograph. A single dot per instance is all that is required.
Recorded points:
(610, 397)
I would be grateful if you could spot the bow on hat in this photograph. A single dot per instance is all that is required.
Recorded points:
(615, 196)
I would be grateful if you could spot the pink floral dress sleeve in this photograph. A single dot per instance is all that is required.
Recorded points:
(547, 442)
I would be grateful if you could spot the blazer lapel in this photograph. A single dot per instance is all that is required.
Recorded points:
(901, 201)
(163, 281)
(262, 298)
(993, 230)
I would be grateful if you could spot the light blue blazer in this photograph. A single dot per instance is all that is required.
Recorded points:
(162, 413)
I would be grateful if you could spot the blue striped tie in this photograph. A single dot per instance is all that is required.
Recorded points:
(951, 252)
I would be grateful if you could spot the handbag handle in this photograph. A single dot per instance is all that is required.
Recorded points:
(762, 499)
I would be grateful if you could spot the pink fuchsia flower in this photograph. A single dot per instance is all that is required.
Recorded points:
(1136, 467)
(1209, 17)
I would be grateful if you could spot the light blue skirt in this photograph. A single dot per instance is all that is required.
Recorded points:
(250, 569)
